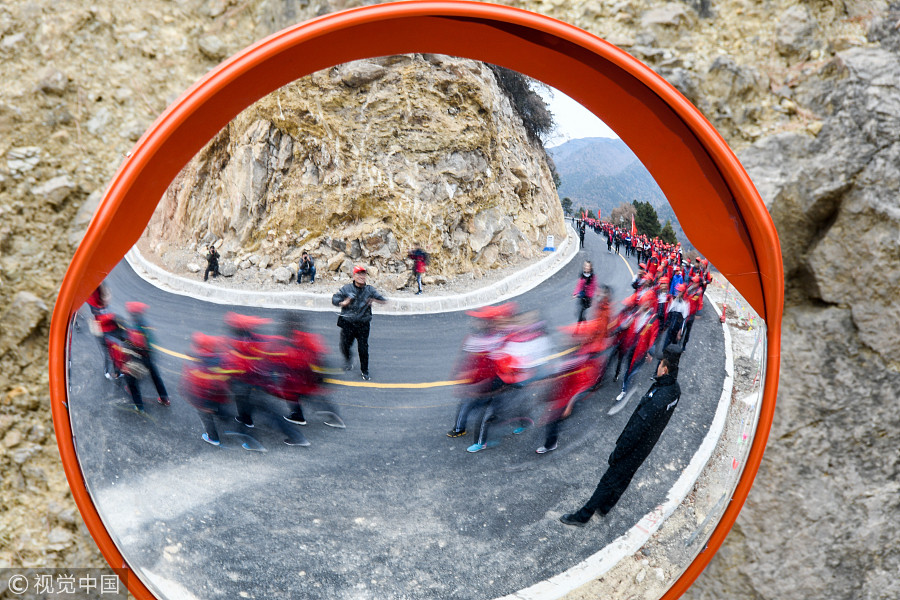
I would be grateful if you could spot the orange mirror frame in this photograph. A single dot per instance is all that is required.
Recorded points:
(716, 203)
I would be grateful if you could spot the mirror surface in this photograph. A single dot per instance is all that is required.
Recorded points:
(268, 469)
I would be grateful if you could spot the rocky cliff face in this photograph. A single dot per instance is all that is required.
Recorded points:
(362, 161)
(806, 93)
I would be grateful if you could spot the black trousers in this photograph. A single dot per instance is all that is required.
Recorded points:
(211, 268)
(358, 332)
(612, 485)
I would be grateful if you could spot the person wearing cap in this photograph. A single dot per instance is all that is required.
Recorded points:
(475, 367)
(139, 336)
(206, 385)
(643, 430)
(355, 300)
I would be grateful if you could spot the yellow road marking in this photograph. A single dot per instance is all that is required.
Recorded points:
(624, 260)
(387, 386)
(173, 353)
(397, 386)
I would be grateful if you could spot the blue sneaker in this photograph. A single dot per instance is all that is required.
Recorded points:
(519, 430)
(206, 439)
(476, 447)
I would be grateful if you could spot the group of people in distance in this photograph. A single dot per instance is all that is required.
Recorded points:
(306, 266)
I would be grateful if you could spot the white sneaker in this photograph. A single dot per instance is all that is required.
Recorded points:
(545, 449)
(620, 397)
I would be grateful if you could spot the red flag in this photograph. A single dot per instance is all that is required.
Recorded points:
(633, 228)
(599, 213)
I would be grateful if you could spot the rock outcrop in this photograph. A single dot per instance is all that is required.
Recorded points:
(364, 160)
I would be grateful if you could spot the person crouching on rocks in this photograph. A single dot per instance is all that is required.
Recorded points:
(212, 262)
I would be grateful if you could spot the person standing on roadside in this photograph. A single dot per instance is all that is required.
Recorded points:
(585, 289)
(420, 262)
(212, 262)
(355, 300)
(634, 445)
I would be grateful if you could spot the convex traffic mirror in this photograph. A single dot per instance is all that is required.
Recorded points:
(244, 429)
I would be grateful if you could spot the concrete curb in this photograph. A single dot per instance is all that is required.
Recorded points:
(514, 285)
(634, 539)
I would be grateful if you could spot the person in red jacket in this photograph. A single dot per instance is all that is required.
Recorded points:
(584, 289)
(124, 358)
(294, 361)
(476, 368)
(139, 336)
(642, 335)
(420, 262)
(206, 385)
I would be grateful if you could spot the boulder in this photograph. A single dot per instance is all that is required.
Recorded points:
(54, 191)
(212, 47)
(22, 160)
(794, 34)
(282, 275)
(194, 267)
(359, 73)
(23, 315)
(53, 82)
(228, 268)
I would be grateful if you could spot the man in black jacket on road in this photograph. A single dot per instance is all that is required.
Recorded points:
(634, 444)
(355, 300)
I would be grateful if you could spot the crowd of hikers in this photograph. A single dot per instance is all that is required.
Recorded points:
(230, 380)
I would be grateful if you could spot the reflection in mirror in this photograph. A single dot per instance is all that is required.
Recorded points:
(378, 342)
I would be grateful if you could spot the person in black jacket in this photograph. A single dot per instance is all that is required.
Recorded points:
(212, 262)
(634, 444)
(355, 300)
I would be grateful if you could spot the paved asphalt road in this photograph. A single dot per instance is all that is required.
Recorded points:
(387, 508)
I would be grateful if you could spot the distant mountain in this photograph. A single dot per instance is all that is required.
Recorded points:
(602, 173)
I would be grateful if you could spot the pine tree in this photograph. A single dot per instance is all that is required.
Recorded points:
(667, 234)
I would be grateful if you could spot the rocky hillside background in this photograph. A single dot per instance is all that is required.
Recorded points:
(362, 161)
(807, 94)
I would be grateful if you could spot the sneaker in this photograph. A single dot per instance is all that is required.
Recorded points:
(335, 421)
(365, 375)
(620, 396)
(571, 519)
(163, 401)
(207, 439)
(244, 423)
(455, 433)
(292, 418)
(545, 449)
(290, 442)
(519, 430)
(477, 447)
(348, 366)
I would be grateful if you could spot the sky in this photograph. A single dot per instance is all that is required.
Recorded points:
(573, 121)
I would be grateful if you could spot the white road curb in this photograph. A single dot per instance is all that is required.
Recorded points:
(514, 285)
